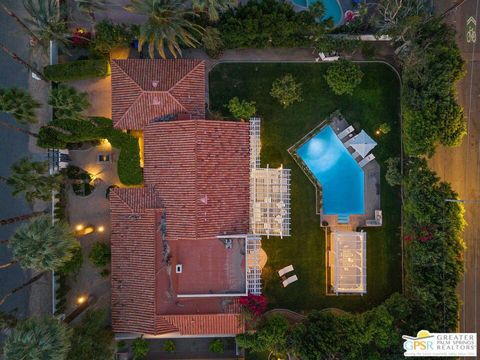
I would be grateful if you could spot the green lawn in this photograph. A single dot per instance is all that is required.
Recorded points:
(375, 101)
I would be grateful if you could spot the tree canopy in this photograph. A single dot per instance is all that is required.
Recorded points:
(38, 338)
(20, 104)
(41, 245)
(343, 77)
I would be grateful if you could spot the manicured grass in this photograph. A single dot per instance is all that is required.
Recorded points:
(375, 101)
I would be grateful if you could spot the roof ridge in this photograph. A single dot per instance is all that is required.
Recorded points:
(114, 191)
(200, 62)
(129, 108)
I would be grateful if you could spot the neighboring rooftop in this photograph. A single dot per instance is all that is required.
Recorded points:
(147, 90)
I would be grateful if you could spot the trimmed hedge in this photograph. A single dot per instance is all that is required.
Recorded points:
(60, 132)
(77, 70)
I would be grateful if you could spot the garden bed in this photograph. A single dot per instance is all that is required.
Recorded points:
(375, 101)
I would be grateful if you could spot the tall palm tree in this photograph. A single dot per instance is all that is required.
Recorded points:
(38, 338)
(19, 218)
(47, 21)
(69, 104)
(20, 104)
(19, 21)
(41, 245)
(22, 61)
(32, 179)
(213, 8)
(167, 26)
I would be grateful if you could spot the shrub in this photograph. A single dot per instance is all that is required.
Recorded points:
(61, 132)
(255, 304)
(77, 70)
(241, 109)
(384, 128)
(169, 346)
(140, 348)
(109, 36)
(92, 339)
(268, 23)
(393, 174)
(100, 254)
(216, 346)
(68, 103)
(74, 265)
(286, 90)
(343, 77)
(212, 42)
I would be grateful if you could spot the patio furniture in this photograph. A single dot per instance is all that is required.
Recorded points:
(290, 280)
(324, 57)
(345, 132)
(366, 160)
(285, 270)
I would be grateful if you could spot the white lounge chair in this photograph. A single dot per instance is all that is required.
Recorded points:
(285, 270)
(366, 160)
(345, 132)
(323, 57)
(290, 280)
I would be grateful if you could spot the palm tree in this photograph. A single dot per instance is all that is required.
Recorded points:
(167, 26)
(69, 104)
(19, 218)
(19, 21)
(46, 20)
(20, 104)
(38, 338)
(41, 245)
(33, 179)
(213, 7)
(89, 7)
(20, 60)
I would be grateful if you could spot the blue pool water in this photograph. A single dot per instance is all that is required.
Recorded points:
(332, 9)
(341, 177)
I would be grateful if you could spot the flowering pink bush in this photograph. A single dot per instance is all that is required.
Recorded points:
(80, 37)
(255, 304)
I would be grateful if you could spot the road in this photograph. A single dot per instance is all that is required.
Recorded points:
(13, 146)
(461, 166)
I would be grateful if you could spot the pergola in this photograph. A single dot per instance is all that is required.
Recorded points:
(270, 192)
(347, 259)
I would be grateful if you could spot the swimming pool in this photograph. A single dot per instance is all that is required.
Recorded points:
(332, 8)
(342, 179)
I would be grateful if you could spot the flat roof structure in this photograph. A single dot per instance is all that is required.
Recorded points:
(347, 259)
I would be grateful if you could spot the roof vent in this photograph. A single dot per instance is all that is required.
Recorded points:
(155, 83)
(178, 268)
(156, 101)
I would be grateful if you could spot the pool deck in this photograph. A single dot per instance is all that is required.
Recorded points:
(371, 190)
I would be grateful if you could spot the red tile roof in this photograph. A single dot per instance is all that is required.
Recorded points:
(143, 90)
(197, 187)
(201, 170)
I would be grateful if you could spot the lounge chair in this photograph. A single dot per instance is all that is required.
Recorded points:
(345, 132)
(285, 270)
(355, 154)
(290, 280)
(366, 160)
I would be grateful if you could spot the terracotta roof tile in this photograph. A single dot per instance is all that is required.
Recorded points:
(143, 90)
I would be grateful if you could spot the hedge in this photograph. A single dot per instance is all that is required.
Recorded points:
(77, 70)
(59, 133)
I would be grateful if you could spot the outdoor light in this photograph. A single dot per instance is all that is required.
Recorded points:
(81, 299)
(79, 227)
(377, 132)
(101, 228)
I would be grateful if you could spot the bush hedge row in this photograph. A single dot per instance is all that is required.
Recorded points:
(77, 70)
(59, 133)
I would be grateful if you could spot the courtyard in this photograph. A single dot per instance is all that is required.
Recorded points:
(375, 101)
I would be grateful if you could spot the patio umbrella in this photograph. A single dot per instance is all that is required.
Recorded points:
(362, 143)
